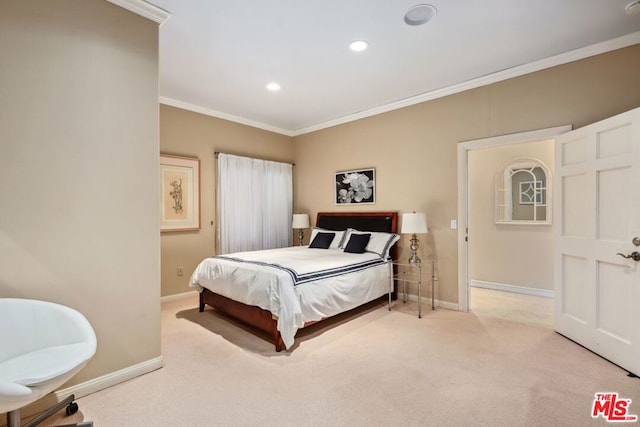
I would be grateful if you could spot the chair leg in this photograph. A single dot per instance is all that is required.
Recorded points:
(80, 424)
(13, 418)
(72, 408)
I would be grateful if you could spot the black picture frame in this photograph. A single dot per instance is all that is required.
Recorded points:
(356, 187)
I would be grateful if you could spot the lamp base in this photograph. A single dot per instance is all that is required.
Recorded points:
(300, 237)
(414, 251)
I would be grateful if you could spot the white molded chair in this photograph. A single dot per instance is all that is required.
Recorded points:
(42, 345)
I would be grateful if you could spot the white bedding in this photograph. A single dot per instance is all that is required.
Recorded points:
(296, 284)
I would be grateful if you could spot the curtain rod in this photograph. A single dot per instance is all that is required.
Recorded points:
(266, 160)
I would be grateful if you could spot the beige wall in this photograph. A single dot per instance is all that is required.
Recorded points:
(191, 134)
(510, 254)
(79, 170)
(414, 149)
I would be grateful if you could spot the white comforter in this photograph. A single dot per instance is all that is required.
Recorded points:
(297, 284)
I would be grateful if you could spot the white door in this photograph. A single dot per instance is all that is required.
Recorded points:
(597, 200)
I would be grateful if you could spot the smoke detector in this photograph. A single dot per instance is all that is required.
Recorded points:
(421, 14)
(633, 8)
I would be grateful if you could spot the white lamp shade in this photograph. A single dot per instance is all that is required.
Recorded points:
(414, 223)
(300, 221)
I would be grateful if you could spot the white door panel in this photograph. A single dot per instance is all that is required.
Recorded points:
(597, 181)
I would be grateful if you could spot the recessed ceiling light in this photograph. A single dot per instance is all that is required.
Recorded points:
(358, 45)
(273, 87)
(420, 14)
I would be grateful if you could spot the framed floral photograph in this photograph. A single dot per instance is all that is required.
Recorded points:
(179, 193)
(356, 187)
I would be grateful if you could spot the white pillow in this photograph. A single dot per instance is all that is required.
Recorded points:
(337, 241)
(380, 243)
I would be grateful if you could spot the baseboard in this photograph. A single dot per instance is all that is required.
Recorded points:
(426, 302)
(178, 297)
(448, 305)
(547, 293)
(92, 386)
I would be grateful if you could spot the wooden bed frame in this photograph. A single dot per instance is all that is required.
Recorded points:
(262, 319)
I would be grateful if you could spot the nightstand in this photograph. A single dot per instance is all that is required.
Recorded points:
(412, 274)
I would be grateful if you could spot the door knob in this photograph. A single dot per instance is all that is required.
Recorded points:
(633, 255)
(636, 241)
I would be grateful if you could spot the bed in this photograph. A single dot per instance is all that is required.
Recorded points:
(280, 291)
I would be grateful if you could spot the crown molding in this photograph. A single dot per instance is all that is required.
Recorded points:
(144, 9)
(553, 61)
(213, 113)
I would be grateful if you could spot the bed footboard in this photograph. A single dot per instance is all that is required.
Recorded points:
(254, 316)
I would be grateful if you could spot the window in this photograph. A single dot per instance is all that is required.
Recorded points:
(254, 204)
(523, 192)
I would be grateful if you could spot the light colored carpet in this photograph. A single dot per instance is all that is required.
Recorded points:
(375, 368)
(533, 310)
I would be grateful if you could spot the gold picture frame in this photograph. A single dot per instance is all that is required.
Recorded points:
(179, 193)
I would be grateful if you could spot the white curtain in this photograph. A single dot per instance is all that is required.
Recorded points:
(254, 204)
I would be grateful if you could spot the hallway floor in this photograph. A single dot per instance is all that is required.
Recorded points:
(512, 306)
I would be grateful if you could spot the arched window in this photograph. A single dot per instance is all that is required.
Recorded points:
(523, 192)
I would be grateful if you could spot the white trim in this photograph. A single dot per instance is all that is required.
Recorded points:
(144, 9)
(179, 297)
(536, 292)
(463, 248)
(515, 138)
(463, 188)
(213, 113)
(553, 61)
(93, 385)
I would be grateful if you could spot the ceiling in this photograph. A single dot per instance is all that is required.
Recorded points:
(217, 56)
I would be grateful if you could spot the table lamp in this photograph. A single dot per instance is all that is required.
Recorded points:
(414, 223)
(300, 222)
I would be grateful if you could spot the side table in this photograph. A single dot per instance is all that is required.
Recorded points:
(412, 273)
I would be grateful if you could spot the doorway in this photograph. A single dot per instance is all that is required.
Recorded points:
(505, 268)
